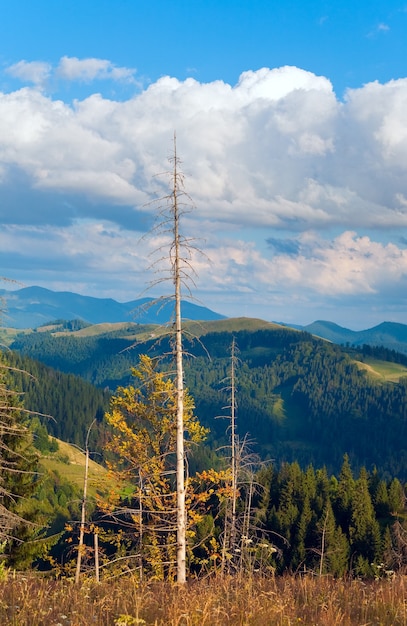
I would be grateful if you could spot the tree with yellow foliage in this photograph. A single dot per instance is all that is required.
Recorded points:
(142, 418)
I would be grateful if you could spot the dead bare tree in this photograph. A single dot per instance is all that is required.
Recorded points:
(244, 545)
(176, 263)
(83, 507)
(172, 208)
(229, 532)
(233, 441)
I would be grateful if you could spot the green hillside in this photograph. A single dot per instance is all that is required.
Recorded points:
(330, 421)
(66, 404)
(384, 370)
(300, 398)
(69, 461)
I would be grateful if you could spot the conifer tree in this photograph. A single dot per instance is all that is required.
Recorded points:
(397, 498)
(364, 531)
(18, 463)
(344, 495)
(381, 499)
(302, 534)
(334, 551)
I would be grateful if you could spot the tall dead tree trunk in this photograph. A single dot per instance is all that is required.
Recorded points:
(181, 274)
(176, 268)
(233, 444)
(230, 531)
(83, 508)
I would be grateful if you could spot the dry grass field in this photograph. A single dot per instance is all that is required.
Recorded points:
(32, 601)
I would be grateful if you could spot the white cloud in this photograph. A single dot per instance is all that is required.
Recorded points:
(348, 269)
(276, 153)
(277, 83)
(277, 149)
(87, 70)
(70, 69)
(350, 264)
(35, 72)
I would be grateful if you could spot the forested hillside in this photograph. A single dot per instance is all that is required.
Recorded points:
(299, 398)
(332, 428)
(66, 404)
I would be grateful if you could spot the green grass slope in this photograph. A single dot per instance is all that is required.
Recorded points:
(383, 370)
(69, 461)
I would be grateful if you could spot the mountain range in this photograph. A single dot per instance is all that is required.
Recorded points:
(31, 307)
(391, 335)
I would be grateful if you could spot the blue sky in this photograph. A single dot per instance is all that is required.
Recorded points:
(350, 43)
(291, 121)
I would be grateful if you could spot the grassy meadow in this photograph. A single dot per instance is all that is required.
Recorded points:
(33, 601)
(383, 370)
(69, 462)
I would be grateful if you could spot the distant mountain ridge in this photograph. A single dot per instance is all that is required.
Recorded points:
(391, 335)
(31, 307)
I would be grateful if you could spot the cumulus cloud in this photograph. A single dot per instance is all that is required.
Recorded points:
(350, 264)
(265, 144)
(35, 72)
(294, 189)
(277, 83)
(276, 149)
(70, 69)
(87, 70)
(82, 252)
(310, 266)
